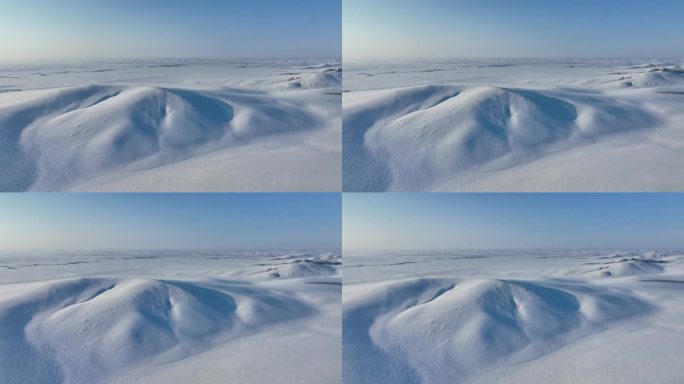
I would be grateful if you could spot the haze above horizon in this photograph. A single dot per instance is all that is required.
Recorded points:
(501, 28)
(45, 29)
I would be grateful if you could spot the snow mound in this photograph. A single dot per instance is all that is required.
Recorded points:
(413, 138)
(440, 331)
(58, 137)
(625, 264)
(628, 267)
(327, 78)
(301, 268)
(87, 329)
(656, 77)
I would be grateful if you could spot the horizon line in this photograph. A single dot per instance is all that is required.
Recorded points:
(104, 58)
(510, 249)
(347, 57)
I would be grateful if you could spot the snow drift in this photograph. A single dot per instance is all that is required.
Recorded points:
(300, 268)
(652, 78)
(427, 330)
(172, 316)
(87, 329)
(513, 125)
(326, 78)
(632, 266)
(171, 125)
(412, 138)
(512, 316)
(57, 138)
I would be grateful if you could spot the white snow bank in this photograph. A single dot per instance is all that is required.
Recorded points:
(624, 267)
(654, 77)
(293, 265)
(300, 268)
(326, 78)
(444, 331)
(417, 137)
(60, 138)
(88, 329)
(621, 264)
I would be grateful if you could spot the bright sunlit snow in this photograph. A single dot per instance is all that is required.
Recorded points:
(170, 125)
(603, 316)
(513, 125)
(170, 317)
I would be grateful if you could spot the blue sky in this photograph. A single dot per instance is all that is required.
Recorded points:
(170, 221)
(512, 221)
(510, 28)
(169, 28)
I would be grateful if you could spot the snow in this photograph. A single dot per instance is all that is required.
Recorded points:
(139, 125)
(327, 78)
(512, 125)
(512, 316)
(103, 317)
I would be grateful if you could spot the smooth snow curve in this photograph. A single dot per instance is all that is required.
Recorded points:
(102, 318)
(83, 330)
(423, 131)
(445, 318)
(149, 134)
(327, 78)
(656, 77)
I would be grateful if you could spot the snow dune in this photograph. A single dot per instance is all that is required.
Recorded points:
(85, 329)
(60, 137)
(97, 327)
(439, 331)
(406, 139)
(508, 131)
(435, 328)
(142, 134)
(655, 77)
(633, 266)
(300, 268)
(326, 78)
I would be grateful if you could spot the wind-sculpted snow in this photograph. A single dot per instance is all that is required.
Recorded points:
(326, 78)
(441, 331)
(414, 138)
(110, 316)
(511, 316)
(300, 268)
(86, 329)
(653, 78)
(60, 137)
(137, 128)
(621, 265)
(513, 125)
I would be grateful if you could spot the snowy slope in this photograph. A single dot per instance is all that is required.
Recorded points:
(121, 133)
(448, 318)
(116, 318)
(514, 127)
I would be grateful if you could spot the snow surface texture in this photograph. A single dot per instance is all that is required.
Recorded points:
(170, 126)
(513, 125)
(513, 317)
(105, 318)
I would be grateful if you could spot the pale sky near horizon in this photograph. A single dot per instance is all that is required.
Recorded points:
(451, 221)
(43, 29)
(170, 221)
(512, 28)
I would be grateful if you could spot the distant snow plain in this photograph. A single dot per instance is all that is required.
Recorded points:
(557, 316)
(170, 125)
(170, 317)
(506, 125)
